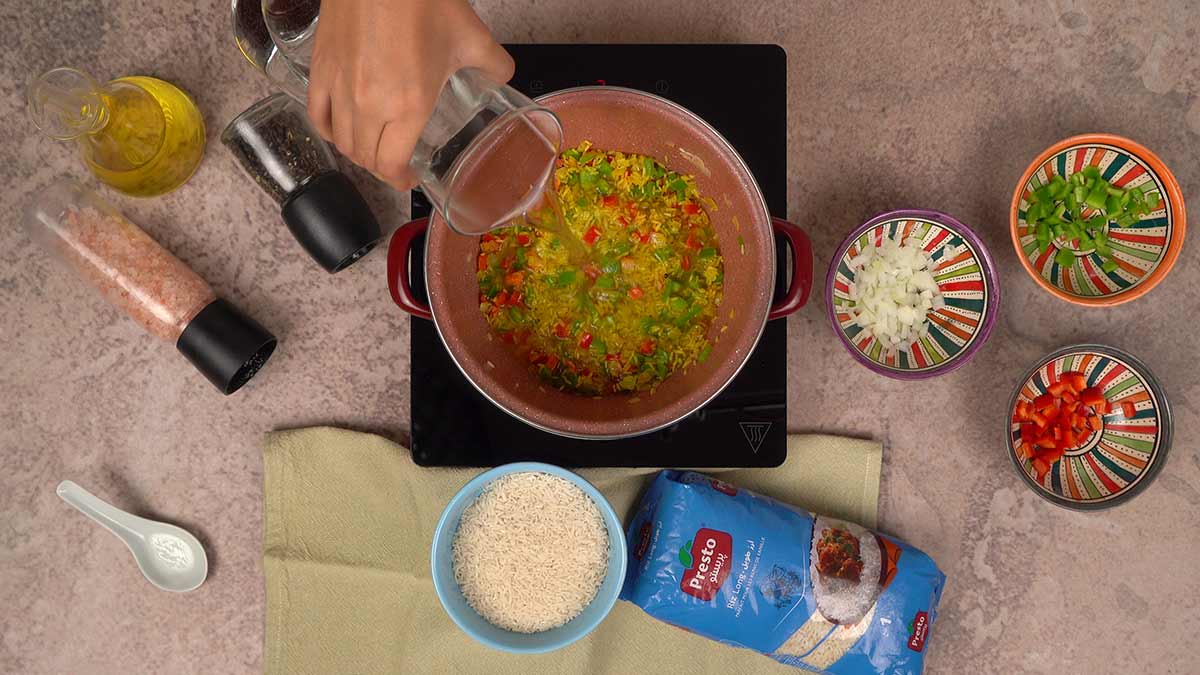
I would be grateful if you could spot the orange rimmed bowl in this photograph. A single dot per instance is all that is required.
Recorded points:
(1144, 251)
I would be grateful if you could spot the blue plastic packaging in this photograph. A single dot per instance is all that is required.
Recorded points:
(734, 566)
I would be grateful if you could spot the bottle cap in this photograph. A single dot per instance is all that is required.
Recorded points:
(331, 220)
(225, 345)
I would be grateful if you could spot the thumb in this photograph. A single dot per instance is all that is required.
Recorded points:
(488, 56)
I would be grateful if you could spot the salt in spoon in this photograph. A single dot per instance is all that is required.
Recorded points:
(169, 557)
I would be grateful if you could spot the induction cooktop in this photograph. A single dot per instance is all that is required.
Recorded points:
(742, 91)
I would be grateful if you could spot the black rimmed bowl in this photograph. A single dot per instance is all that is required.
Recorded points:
(1116, 462)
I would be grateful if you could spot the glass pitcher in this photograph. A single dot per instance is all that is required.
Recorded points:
(485, 155)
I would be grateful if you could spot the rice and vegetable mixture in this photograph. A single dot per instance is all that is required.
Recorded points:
(530, 552)
(622, 299)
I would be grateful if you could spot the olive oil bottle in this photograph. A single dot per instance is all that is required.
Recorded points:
(141, 135)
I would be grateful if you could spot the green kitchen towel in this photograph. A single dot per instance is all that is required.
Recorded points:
(348, 524)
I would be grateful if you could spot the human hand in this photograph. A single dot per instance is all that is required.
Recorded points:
(377, 69)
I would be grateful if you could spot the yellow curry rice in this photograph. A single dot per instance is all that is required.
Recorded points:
(621, 299)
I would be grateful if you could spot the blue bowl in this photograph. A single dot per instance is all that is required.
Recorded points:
(441, 560)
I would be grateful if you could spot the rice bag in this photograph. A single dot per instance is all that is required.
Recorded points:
(817, 593)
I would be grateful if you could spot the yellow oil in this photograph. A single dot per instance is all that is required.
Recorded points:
(151, 141)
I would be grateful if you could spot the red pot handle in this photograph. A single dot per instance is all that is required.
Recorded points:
(397, 267)
(802, 269)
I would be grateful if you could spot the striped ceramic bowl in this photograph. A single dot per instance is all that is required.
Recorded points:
(1144, 252)
(1120, 459)
(965, 276)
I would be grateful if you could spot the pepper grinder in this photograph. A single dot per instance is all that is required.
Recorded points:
(278, 147)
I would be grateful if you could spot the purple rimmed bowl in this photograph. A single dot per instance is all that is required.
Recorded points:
(966, 279)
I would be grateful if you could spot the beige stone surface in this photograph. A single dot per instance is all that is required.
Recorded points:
(925, 104)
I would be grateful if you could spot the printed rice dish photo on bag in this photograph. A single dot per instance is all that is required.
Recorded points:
(809, 591)
(846, 567)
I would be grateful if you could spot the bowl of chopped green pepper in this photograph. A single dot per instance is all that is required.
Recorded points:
(1098, 220)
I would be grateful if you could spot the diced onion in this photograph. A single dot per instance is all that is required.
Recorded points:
(893, 292)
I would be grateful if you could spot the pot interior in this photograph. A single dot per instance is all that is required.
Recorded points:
(629, 121)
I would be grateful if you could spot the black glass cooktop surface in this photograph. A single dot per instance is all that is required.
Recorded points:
(742, 91)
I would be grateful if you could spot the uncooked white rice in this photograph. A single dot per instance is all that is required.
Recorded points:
(842, 600)
(530, 552)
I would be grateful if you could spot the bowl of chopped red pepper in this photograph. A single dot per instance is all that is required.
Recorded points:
(1089, 427)
(1097, 220)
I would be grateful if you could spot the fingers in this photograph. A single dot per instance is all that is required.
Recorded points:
(367, 131)
(396, 143)
(342, 120)
(320, 108)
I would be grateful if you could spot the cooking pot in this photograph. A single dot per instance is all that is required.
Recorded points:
(636, 122)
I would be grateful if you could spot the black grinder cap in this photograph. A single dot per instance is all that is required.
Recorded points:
(225, 345)
(331, 220)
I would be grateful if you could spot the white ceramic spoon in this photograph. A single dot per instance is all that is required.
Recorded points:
(169, 557)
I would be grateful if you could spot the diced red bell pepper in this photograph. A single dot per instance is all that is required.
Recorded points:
(1068, 438)
(622, 221)
(611, 200)
(635, 293)
(487, 236)
(1043, 402)
(523, 239)
(1095, 423)
(633, 211)
(561, 330)
(1022, 411)
(1076, 380)
(507, 264)
(1091, 396)
(612, 357)
(483, 262)
(501, 299)
(1039, 419)
(692, 242)
(585, 340)
(1028, 431)
(514, 278)
(1051, 455)
(1057, 430)
(1128, 409)
(591, 271)
(1051, 414)
(647, 346)
(1046, 441)
(691, 209)
(1057, 389)
(686, 262)
(1041, 468)
(1069, 397)
(551, 361)
(592, 234)
(1024, 450)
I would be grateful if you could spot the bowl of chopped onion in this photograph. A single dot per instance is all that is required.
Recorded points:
(1097, 220)
(912, 293)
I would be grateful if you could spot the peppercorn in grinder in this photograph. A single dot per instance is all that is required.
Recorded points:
(278, 147)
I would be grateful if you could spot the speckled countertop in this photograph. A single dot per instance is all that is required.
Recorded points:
(935, 105)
